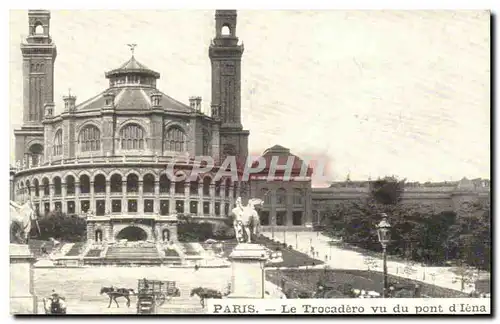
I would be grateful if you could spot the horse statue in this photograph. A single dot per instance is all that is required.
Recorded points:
(21, 217)
(114, 293)
(246, 219)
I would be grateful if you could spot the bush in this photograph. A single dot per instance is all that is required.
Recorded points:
(189, 231)
(221, 231)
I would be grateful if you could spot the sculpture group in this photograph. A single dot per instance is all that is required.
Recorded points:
(246, 220)
(21, 218)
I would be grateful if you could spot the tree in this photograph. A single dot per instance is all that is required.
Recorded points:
(470, 237)
(387, 191)
(61, 227)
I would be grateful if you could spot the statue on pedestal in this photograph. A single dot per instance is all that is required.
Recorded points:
(21, 217)
(246, 219)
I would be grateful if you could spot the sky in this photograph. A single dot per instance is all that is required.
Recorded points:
(376, 93)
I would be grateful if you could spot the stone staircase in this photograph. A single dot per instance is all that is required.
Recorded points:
(132, 252)
(75, 250)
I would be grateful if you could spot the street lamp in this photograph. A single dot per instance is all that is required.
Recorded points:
(384, 236)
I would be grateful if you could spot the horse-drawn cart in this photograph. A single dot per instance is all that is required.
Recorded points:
(153, 293)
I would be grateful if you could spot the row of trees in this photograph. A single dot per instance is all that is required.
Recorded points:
(419, 232)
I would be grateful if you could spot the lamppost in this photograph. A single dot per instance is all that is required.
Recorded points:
(384, 236)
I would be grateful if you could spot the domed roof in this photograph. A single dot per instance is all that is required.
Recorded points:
(132, 66)
(134, 98)
(132, 85)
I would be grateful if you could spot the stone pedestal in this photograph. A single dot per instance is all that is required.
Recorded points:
(247, 263)
(22, 298)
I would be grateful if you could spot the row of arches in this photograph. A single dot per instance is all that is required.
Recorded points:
(281, 196)
(129, 184)
(131, 137)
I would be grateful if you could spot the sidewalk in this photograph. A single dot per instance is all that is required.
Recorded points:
(338, 258)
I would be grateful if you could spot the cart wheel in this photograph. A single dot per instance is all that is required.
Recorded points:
(160, 299)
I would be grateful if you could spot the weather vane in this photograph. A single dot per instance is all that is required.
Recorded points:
(132, 48)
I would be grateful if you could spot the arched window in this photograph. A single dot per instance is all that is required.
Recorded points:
(174, 140)
(58, 143)
(148, 183)
(193, 187)
(164, 184)
(57, 186)
(281, 196)
(298, 198)
(132, 183)
(38, 28)
(179, 187)
(218, 184)
(84, 184)
(132, 137)
(36, 184)
(36, 152)
(46, 187)
(225, 31)
(70, 185)
(228, 187)
(206, 186)
(207, 143)
(89, 139)
(28, 188)
(116, 183)
(99, 183)
(265, 194)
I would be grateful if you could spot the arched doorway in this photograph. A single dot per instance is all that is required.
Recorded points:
(132, 233)
(165, 235)
(98, 235)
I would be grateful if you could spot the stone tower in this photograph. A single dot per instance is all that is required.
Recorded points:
(39, 54)
(225, 54)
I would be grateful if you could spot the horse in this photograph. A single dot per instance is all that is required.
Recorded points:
(21, 217)
(246, 219)
(57, 306)
(206, 293)
(114, 293)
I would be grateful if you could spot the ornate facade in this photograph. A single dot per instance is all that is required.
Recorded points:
(106, 157)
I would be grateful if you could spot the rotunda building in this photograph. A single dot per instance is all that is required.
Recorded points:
(105, 158)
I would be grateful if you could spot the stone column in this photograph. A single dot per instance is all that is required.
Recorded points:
(187, 196)
(200, 198)
(231, 196)
(248, 276)
(22, 298)
(212, 199)
(124, 197)
(171, 204)
(92, 198)
(78, 207)
(51, 196)
(140, 200)
(64, 204)
(108, 196)
(157, 197)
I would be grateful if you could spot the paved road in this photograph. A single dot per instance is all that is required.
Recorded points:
(339, 258)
